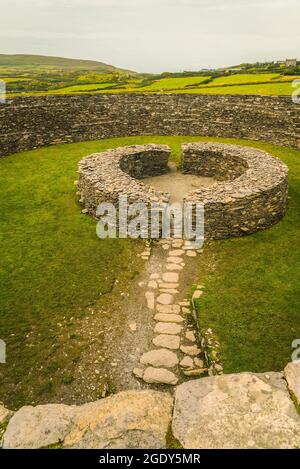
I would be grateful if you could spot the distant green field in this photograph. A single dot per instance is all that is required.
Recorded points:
(93, 83)
(276, 89)
(244, 78)
(173, 83)
(82, 88)
(14, 79)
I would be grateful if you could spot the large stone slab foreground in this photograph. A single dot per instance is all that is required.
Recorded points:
(292, 376)
(243, 410)
(130, 419)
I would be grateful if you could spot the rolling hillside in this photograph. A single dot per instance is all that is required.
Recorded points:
(42, 61)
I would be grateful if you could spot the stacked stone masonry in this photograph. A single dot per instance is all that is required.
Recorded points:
(252, 193)
(32, 122)
(103, 177)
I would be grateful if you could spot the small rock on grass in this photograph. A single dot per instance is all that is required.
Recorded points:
(197, 294)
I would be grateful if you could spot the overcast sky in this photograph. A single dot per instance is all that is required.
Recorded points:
(153, 35)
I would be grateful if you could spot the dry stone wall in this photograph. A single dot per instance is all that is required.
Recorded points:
(32, 122)
(251, 196)
(103, 177)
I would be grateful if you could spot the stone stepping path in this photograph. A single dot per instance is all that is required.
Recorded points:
(175, 354)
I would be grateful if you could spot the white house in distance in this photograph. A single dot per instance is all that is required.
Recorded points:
(288, 62)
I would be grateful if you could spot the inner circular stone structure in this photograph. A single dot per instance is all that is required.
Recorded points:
(243, 189)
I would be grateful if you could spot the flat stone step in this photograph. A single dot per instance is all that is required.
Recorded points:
(167, 328)
(191, 350)
(159, 376)
(187, 362)
(168, 285)
(168, 309)
(160, 358)
(170, 277)
(165, 299)
(171, 291)
(161, 317)
(174, 260)
(191, 253)
(177, 252)
(167, 341)
(174, 267)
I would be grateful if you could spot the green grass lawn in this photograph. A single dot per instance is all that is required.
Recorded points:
(53, 268)
(251, 298)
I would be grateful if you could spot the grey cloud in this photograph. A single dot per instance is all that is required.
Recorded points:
(153, 35)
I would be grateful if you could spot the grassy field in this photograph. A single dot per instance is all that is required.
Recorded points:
(83, 88)
(37, 82)
(53, 268)
(166, 84)
(271, 89)
(251, 298)
(244, 78)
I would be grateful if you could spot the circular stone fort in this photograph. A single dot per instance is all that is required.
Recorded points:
(250, 187)
(250, 192)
